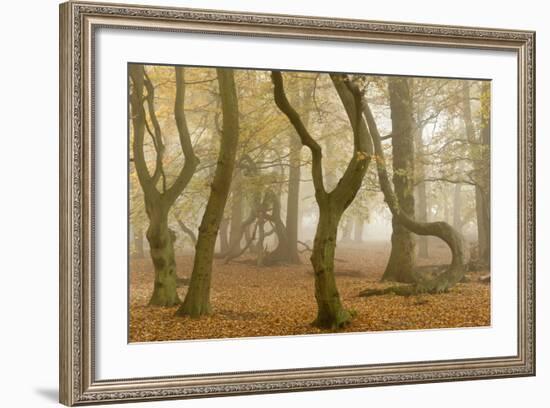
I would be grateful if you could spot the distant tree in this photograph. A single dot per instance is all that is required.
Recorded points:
(480, 174)
(295, 166)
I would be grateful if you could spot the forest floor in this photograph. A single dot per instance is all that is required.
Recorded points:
(250, 301)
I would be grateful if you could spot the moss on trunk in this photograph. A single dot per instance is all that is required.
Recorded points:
(158, 203)
(161, 242)
(401, 262)
(197, 300)
(402, 258)
(330, 312)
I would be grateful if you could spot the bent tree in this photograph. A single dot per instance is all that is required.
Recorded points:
(197, 300)
(402, 257)
(455, 272)
(330, 311)
(159, 198)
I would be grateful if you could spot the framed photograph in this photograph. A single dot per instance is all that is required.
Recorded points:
(256, 203)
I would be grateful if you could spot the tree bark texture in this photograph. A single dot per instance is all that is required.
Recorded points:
(158, 203)
(197, 299)
(402, 257)
(331, 314)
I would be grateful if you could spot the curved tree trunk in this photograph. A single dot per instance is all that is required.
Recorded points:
(442, 230)
(197, 300)
(402, 257)
(330, 312)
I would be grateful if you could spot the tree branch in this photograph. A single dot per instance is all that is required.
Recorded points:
(137, 74)
(191, 160)
(305, 137)
(156, 135)
(187, 230)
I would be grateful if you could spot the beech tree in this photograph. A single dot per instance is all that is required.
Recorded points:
(330, 311)
(480, 176)
(197, 300)
(158, 197)
(402, 257)
(455, 272)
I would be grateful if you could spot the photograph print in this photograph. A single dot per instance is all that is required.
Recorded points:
(281, 203)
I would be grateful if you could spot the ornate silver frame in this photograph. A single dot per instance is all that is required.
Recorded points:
(78, 21)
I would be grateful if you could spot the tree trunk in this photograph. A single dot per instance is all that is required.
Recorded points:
(158, 203)
(358, 228)
(485, 173)
(401, 262)
(188, 231)
(423, 245)
(442, 230)
(422, 201)
(197, 300)
(161, 243)
(222, 234)
(293, 197)
(347, 224)
(260, 249)
(446, 205)
(235, 229)
(330, 312)
(138, 242)
(457, 206)
(285, 252)
(480, 151)
(482, 229)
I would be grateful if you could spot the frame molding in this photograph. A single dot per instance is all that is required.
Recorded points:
(78, 21)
